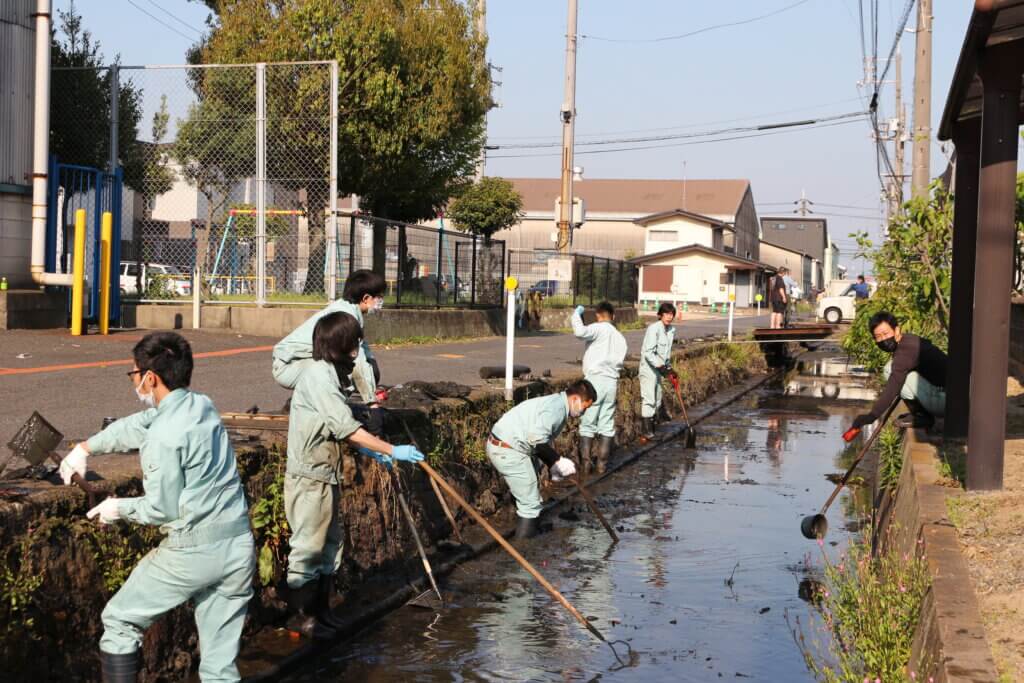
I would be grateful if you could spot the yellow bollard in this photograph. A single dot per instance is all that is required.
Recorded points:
(106, 235)
(78, 274)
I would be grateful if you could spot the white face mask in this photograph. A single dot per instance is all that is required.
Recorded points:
(378, 305)
(148, 400)
(575, 408)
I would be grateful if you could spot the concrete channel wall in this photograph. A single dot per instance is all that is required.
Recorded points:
(950, 637)
(394, 323)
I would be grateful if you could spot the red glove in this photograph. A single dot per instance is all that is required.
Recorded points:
(382, 394)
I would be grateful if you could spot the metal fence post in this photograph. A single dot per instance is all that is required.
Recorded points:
(472, 277)
(261, 182)
(593, 277)
(115, 115)
(607, 275)
(621, 274)
(332, 240)
(403, 256)
(440, 251)
(575, 278)
(351, 244)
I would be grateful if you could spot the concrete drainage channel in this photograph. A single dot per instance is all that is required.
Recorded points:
(268, 648)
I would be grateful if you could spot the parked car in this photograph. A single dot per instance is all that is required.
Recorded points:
(178, 282)
(545, 287)
(836, 309)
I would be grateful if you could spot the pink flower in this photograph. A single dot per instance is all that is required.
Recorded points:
(913, 675)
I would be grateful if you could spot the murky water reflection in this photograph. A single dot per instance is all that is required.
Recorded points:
(711, 558)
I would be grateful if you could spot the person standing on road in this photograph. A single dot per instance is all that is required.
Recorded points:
(526, 431)
(778, 296)
(916, 373)
(602, 363)
(363, 295)
(655, 363)
(192, 490)
(319, 420)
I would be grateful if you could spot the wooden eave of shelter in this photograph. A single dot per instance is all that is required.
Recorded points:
(993, 23)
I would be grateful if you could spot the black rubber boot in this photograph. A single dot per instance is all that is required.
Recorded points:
(605, 445)
(303, 620)
(917, 418)
(325, 592)
(527, 527)
(647, 427)
(583, 463)
(120, 668)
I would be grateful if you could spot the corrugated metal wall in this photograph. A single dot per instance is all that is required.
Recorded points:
(17, 59)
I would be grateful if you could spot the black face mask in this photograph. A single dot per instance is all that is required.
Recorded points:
(887, 345)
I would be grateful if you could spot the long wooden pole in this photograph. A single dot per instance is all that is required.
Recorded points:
(593, 508)
(860, 456)
(510, 550)
(433, 485)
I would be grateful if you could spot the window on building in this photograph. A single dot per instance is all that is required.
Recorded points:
(663, 236)
(801, 226)
(780, 226)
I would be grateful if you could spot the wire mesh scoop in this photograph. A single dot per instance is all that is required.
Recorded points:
(35, 442)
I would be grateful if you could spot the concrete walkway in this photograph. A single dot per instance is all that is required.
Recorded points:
(77, 381)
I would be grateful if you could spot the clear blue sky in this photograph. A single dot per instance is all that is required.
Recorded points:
(804, 62)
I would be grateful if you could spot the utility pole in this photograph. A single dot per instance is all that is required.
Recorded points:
(921, 160)
(803, 203)
(896, 181)
(568, 115)
(481, 34)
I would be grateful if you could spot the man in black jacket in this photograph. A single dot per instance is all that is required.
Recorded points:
(916, 373)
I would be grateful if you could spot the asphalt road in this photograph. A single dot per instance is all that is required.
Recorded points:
(77, 381)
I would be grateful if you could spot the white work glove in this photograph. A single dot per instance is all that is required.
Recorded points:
(563, 467)
(74, 463)
(579, 311)
(108, 511)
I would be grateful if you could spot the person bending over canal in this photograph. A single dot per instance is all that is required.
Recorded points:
(602, 363)
(526, 431)
(655, 363)
(916, 373)
(319, 420)
(363, 294)
(193, 492)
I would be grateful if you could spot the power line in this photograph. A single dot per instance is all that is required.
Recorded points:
(698, 31)
(677, 144)
(682, 136)
(172, 16)
(159, 20)
(681, 127)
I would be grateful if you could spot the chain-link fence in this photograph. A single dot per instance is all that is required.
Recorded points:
(228, 171)
(230, 181)
(568, 280)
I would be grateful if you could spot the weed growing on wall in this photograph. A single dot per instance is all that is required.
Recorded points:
(270, 526)
(870, 606)
(890, 456)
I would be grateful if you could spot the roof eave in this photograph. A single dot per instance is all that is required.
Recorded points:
(978, 31)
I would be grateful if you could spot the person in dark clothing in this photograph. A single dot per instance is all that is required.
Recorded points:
(916, 373)
(859, 288)
(778, 295)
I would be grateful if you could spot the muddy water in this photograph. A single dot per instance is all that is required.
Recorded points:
(711, 558)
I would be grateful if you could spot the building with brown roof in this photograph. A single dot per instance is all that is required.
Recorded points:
(612, 207)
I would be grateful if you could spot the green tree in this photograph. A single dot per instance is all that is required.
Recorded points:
(487, 206)
(80, 104)
(413, 91)
(912, 266)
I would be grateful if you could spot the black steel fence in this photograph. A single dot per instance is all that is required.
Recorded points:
(568, 280)
(425, 267)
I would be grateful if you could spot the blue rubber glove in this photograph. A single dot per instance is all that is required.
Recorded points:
(579, 310)
(379, 457)
(406, 453)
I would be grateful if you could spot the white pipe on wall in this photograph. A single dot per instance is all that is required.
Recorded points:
(41, 150)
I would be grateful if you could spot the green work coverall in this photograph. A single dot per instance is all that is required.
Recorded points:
(654, 354)
(319, 420)
(294, 353)
(528, 425)
(193, 491)
(602, 363)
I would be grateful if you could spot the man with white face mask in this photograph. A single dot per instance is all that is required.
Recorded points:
(526, 432)
(363, 294)
(193, 492)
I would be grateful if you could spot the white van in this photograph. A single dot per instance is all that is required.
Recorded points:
(833, 307)
(179, 282)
